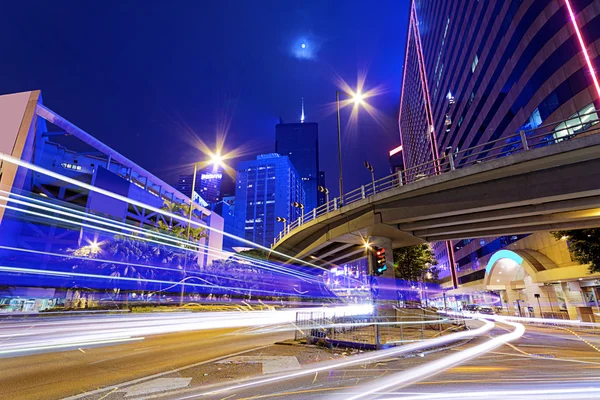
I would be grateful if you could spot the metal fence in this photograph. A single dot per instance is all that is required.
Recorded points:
(373, 331)
(543, 135)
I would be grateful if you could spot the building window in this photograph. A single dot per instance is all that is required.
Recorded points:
(577, 123)
(475, 62)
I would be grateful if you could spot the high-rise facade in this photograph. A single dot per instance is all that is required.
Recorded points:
(265, 189)
(478, 71)
(208, 185)
(300, 142)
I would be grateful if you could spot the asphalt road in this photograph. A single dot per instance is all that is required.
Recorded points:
(542, 364)
(55, 375)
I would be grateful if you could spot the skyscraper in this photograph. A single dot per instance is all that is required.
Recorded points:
(265, 189)
(300, 142)
(208, 184)
(184, 185)
(477, 71)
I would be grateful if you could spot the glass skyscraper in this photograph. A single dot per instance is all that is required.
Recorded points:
(300, 142)
(208, 185)
(265, 189)
(478, 71)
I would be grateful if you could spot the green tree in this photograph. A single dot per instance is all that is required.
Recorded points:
(257, 254)
(415, 264)
(584, 245)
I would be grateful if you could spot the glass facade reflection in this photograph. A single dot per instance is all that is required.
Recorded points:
(479, 71)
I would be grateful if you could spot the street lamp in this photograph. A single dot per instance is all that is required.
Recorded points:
(301, 207)
(358, 99)
(216, 160)
(323, 189)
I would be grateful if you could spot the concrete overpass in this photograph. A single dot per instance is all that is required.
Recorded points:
(547, 188)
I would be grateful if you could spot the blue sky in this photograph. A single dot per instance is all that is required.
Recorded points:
(141, 76)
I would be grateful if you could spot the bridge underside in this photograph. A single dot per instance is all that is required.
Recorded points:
(550, 188)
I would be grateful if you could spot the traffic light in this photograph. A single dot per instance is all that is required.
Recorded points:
(379, 266)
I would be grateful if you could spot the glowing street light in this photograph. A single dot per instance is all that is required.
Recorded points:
(94, 247)
(358, 99)
(216, 160)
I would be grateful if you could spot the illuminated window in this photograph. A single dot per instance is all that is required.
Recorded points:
(475, 62)
(577, 123)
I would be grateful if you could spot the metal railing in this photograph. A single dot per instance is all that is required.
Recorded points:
(525, 140)
(373, 331)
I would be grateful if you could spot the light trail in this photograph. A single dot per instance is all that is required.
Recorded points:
(24, 338)
(124, 278)
(413, 375)
(505, 318)
(570, 393)
(117, 225)
(360, 359)
(101, 260)
(13, 160)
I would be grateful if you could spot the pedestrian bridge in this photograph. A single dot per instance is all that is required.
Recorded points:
(539, 183)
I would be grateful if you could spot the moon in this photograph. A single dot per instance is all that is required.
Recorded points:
(303, 45)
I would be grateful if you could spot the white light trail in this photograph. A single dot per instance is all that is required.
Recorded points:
(423, 371)
(22, 338)
(36, 168)
(361, 359)
(565, 393)
(86, 217)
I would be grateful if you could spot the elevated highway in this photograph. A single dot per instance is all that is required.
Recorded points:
(551, 187)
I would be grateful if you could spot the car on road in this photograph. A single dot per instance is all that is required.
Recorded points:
(472, 308)
(486, 310)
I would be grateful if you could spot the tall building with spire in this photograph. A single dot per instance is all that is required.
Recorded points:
(300, 142)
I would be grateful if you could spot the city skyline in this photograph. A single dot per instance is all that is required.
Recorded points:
(304, 200)
(264, 76)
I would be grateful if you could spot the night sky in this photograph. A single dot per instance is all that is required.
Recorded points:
(141, 76)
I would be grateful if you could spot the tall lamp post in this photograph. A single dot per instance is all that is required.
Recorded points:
(216, 160)
(358, 99)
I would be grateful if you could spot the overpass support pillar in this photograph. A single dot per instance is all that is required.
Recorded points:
(542, 298)
(383, 287)
(573, 298)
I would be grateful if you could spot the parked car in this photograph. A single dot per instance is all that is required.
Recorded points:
(486, 310)
(471, 308)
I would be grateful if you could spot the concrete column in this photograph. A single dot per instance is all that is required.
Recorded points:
(512, 296)
(547, 300)
(384, 286)
(573, 297)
